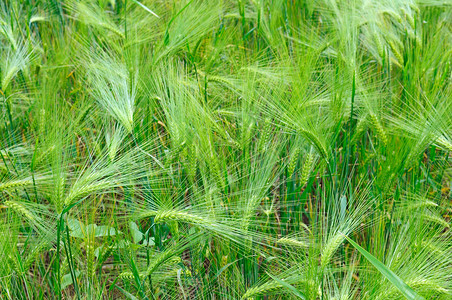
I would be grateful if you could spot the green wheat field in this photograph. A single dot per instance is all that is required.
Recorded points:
(225, 149)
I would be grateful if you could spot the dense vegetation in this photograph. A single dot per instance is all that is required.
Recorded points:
(225, 149)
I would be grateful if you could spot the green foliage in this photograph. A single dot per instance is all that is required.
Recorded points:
(225, 149)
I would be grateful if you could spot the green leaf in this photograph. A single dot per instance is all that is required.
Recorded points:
(79, 230)
(98, 251)
(289, 287)
(105, 231)
(77, 227)
(407, 291)
(66, 280)
(126, 293)
(146, 8)
(137, 235)
(343, 201)
(151, 242)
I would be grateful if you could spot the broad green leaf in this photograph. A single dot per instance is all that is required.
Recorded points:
(66, 280)
(98, 251)
(407, 291)
(77, 227)
(137, 235)
(106, 231)
(151, 242)
(79, 230)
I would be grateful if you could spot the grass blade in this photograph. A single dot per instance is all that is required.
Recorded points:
(407, 291)
(145, 8)
(289, 287)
